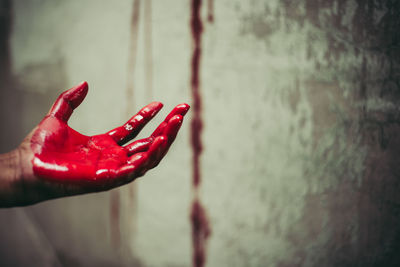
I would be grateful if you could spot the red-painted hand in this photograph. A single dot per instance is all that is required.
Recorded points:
(72, 163)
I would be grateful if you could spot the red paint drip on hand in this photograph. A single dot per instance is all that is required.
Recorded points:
(77, 163)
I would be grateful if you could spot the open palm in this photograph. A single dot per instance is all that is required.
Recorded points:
(67, 158)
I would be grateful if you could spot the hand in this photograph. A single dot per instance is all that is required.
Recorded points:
(58, 161)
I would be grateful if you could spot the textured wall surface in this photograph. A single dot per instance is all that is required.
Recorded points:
(301, 161)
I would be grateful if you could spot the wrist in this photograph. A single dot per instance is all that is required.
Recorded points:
(27, 187)
(10, 178)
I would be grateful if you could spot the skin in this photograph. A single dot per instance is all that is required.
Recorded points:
(56, 161)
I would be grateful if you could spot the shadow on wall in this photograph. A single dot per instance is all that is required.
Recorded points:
(356, 74)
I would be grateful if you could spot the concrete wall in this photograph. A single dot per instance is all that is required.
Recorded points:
(301, 163)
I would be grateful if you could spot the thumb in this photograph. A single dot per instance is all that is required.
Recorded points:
(68, 101)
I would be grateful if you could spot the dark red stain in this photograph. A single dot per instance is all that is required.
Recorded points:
(200, 232)
(197, 124)
(134, 29)
(200, 225)
(148, 49)
(210, 11)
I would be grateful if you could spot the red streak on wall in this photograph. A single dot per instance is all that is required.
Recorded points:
(200, 232)
(197, 124)
(210, 10)
(200, 225)
(132, 56)
(148, 50)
